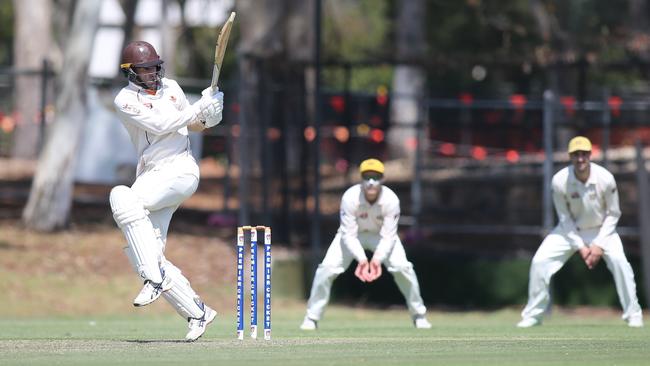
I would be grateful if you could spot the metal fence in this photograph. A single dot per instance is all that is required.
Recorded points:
(12, 114)
(517, 143)
(464, 142)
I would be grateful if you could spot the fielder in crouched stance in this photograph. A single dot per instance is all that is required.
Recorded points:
(586, 200)
(156, 114)
(369, 214)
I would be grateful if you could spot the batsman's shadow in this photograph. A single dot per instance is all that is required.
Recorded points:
(146, 341)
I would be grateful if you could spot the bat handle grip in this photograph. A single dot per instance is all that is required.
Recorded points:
(215, 78)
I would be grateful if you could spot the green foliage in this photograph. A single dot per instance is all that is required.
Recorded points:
(619, 81)
(591, 23)
(463, 281)
(362, 79)
(497, 35)
(576, 285)
(354, 31)
(476, 30)
(505, 38)
(196, 53)
(6, 32)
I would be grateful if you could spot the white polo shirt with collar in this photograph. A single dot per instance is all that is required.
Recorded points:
(585, 207)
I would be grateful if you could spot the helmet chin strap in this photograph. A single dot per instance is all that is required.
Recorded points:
(157, 82)
(145, 85)
(135, 78)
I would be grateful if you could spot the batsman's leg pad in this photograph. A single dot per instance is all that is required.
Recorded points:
(131, 216)
(131, 256)
(181, 296)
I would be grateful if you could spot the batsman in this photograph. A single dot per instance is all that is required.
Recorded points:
(157, 115)
(368, 220)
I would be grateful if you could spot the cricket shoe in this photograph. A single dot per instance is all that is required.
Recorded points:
(421, 322)
(151, 291)
(198, 325)
(309, 324)
(529, 322)
(635, 322)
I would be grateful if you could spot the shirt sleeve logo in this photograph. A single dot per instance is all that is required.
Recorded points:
(130, 108)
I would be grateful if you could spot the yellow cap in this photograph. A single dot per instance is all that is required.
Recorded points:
(579, 143)
(371, 165)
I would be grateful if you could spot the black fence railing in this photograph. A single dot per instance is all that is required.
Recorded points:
(495, 142)
(14, 114)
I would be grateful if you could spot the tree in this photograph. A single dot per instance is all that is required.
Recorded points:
(409, 79)
(32, 40)
(129, 7)
(275, 40)
(50, 198)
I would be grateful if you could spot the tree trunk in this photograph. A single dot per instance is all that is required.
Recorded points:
(168, 39)
(274, 35)
(273, 28)
(643, 185)
(48, 206)
(32, 39)
(408, 80)
(129, 7)
(638, 12)
(639, 26)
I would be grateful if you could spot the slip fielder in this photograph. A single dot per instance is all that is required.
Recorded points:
(368, 220)
(586, 201)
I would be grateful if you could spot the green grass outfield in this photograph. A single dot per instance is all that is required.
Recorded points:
(348, 336)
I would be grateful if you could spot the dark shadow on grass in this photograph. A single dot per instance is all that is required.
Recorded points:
(145, 341)
(7, 246)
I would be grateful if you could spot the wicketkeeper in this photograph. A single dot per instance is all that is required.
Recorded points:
(157, 116)
(369, 215)
(586, 201)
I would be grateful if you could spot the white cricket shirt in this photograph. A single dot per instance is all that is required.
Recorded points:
(380, 218)
(588, 205)
(157, 123)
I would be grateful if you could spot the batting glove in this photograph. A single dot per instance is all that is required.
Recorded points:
(209, 108)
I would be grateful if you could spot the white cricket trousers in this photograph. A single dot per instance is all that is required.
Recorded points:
(338, 259)
(162, 190)
(555, 250)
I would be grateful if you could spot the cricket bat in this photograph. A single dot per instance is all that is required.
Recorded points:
(220, 50)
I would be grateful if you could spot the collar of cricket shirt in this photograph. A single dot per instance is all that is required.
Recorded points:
(574, 180)
(153, 94)
(364, 200)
